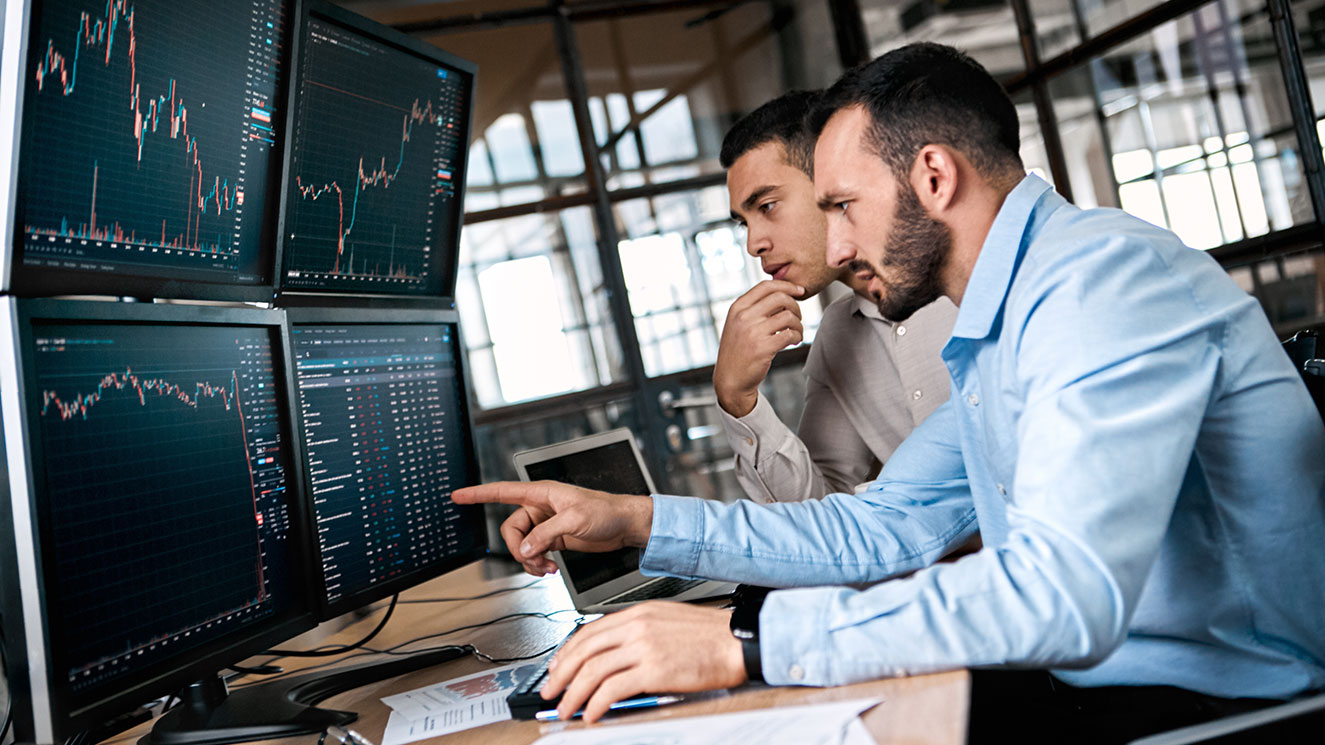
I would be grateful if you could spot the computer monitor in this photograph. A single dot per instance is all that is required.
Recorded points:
(147, 147)
(155, 529)
(374, 180)
(385, 417)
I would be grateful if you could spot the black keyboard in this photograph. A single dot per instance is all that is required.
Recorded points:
(662, 588)
(524, 701)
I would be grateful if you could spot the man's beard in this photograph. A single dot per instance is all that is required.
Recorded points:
(913, 256)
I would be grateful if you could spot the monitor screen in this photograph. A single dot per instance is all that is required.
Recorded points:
(611, 468)
(166, 493)
(387, 438)
(148, 148)
(379, 131)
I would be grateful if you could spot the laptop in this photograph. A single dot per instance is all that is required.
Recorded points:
(610, 581)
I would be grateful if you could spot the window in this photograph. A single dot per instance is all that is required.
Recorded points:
(1188, 128)
(534, 309)
(685, 263)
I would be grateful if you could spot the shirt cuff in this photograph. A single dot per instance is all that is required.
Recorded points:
(675, 537)
(745, 433)
(792, 638)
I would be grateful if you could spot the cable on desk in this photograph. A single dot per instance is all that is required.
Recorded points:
(504, 660)
(267, 669)
(528, 614)
(475, 597)
(340, 648)
(396, 650)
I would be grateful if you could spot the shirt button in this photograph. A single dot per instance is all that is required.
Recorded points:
(917, 395)
(1002, 490)
(749, 441)
(796, 672)
(901, 331)
(974, 399)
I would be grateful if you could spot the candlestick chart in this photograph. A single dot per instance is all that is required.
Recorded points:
(376, 140)
(147, 136)
(166, 487)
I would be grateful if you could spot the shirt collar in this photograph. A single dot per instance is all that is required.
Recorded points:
(866, 307)
(992, 275)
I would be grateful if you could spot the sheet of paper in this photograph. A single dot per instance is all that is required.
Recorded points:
(856, 734)
(436, 699)
(453, 705)
(816, 724)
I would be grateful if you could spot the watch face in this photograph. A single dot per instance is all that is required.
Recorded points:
(745, 617)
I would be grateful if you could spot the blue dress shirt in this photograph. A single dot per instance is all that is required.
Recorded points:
(1144, 464)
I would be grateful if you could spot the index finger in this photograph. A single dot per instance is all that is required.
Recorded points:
(532, 494)
(772, 286)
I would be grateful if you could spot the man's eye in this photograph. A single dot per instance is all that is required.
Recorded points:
(842, 206)
(766, 207)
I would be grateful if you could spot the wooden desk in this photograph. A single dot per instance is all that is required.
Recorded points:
(923, 709)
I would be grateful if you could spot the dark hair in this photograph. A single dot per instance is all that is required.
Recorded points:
(782, 120)
(927, 93)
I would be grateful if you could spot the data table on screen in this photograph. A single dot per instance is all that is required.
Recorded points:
(148, 139)
(376, 141)
(385, 443)
(166, 488)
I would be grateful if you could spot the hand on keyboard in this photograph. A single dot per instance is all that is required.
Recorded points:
(654, 646)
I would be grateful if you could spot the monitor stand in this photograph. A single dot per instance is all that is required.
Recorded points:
(209, 714)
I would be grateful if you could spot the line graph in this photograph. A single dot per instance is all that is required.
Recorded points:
(377, 177)
(375, 143)
(145, 122)
(80, 405)
(164, 475)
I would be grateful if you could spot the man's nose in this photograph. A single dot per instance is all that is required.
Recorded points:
(758, 241)
(840, 250)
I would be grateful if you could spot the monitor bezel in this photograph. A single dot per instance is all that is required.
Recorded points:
(474, 514)
(28, 281)
(56, 711)
(13, 65)
(449, 246)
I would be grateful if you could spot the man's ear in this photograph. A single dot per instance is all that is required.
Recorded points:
(934, 176)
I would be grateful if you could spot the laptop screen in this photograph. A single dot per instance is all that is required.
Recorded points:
(611, 468)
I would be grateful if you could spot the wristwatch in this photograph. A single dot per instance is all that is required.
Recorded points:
(748, 601)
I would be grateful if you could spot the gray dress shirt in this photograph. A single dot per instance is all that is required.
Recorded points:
(869, 383)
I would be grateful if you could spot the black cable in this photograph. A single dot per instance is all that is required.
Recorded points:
(502, 660)
(474, 597)
(339, 648)
(367, 652)
(258, 670)
(499, 619)
(396, 651)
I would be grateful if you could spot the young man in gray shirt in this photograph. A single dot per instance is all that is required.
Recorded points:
(870, 381)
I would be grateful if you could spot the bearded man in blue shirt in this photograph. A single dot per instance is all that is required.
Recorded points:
(1143, 463)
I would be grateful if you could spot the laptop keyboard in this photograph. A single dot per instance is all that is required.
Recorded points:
(662, 588)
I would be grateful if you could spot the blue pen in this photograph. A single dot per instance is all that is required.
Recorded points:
(644, 702)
